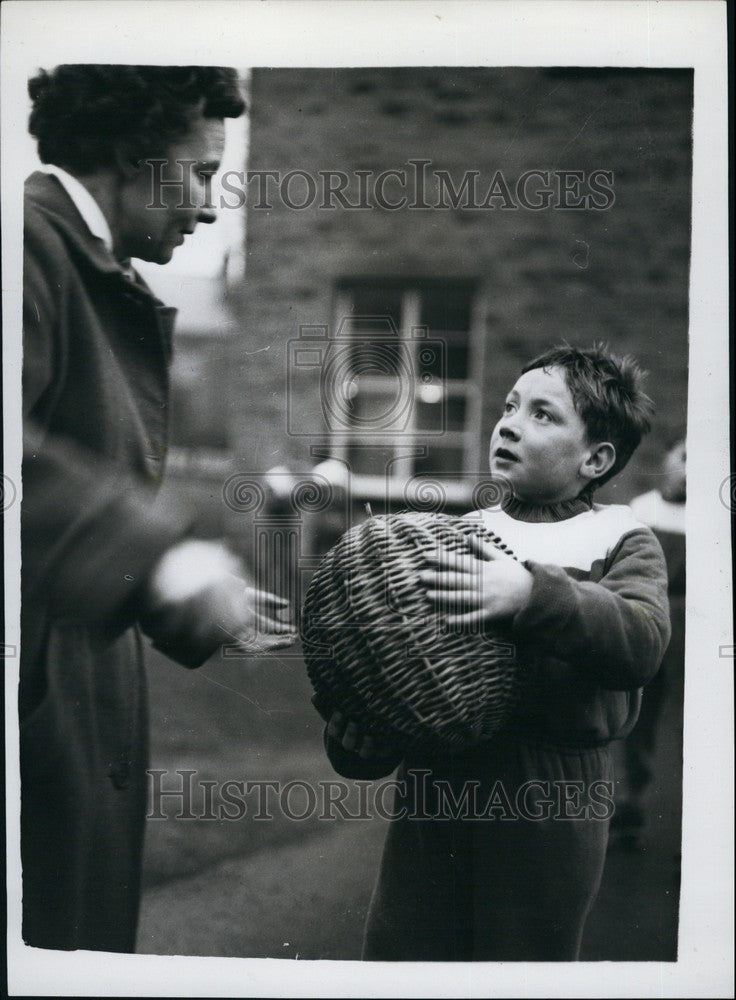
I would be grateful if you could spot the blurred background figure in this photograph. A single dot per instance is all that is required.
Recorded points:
(663, 509)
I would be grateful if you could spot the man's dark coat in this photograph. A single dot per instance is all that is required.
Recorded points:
(95, 401)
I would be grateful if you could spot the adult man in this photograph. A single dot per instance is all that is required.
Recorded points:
(104, 545)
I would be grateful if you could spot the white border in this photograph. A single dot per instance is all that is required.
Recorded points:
(480, 32)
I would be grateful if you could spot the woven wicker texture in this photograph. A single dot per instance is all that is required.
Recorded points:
(376, 648)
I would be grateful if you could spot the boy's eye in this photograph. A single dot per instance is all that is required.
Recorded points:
(542, 415)
(508, 407)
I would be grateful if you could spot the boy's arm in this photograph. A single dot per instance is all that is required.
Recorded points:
(617, 629)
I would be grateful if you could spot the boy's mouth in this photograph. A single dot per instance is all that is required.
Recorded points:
(505, 455)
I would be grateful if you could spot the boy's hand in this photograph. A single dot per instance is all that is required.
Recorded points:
(346, 732)
(493, 585)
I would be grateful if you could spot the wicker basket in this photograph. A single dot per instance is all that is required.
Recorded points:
(376, 647)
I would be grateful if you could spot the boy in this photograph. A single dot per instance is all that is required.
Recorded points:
(497, 852)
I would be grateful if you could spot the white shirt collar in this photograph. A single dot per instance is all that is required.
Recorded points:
(84, 203)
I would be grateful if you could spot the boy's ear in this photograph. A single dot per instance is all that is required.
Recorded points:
(602, 456)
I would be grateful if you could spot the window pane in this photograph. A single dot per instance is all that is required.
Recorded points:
(376, 300)
(368, 380)
(441, 413)
(446, 312)
(446, 307)
(379, 356)
(440, 459)
(374, 461)
(375, 408)
(457, 353)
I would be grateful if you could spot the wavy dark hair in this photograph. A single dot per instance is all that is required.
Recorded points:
(84, 115)
(607, 392)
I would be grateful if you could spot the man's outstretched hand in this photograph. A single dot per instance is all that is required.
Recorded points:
(198, 600)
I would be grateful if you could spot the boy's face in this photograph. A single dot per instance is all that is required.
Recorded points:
(540, 443)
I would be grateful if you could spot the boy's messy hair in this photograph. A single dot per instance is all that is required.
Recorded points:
(607, 393)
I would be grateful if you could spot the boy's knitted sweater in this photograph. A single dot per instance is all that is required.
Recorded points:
(594, 629)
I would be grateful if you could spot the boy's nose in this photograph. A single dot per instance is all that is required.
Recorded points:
(508, 430)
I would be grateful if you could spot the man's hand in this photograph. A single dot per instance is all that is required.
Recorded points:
(478, 588)
(347, 733)
(258, 631)
(198, 600)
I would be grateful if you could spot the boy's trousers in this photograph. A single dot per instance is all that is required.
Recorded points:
(508, 874)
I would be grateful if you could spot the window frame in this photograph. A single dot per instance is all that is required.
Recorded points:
(406, 444)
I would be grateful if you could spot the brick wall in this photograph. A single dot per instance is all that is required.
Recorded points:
(619, 274)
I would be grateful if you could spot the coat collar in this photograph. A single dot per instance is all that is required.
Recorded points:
(84, 202)
(49, 196)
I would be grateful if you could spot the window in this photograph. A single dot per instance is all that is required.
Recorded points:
(402, 386)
